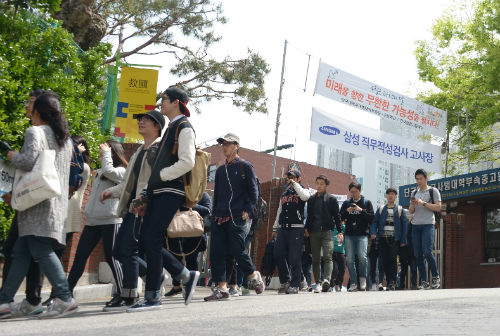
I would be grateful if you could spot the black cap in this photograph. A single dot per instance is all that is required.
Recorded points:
(174, 93)
(155, 115)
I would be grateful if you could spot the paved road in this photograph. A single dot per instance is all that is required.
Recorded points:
(436, 312)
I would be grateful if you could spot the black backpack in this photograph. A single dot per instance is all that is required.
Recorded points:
(258, 214)
(268, 265)
(437, 214)
(75, 170)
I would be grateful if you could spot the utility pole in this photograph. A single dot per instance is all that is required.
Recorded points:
(278, 115)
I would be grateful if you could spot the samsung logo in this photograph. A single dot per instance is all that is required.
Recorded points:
(329, 130)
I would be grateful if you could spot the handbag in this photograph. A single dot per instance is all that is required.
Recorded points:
(39, 184)
(185, 224)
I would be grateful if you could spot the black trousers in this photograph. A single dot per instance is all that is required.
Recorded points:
(389, 251)
(374, 256)
(288, 255)
(88, 241)
(338, 269)
(177, 246)
(407, 258)
(34, 277)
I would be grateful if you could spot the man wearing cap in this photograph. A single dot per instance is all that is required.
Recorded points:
(235, 197)
(163, 196)
(288, 229)
(136, 177)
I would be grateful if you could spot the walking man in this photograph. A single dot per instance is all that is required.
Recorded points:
(423, 205)
(235, 197)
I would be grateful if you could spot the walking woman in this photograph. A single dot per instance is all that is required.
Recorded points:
(102, 219)
(41, 227)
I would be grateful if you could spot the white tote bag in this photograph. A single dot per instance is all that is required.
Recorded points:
(39, 184)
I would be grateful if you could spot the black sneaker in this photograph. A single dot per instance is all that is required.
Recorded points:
(120, 305)
(190, 286)
(173, 292)
(325, 286)
(116, 298)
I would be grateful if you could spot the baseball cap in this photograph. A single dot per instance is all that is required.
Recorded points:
(174, 93)
(294, 173)
(229, 137)
(153, 114)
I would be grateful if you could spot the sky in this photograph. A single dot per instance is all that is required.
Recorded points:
(374, 40)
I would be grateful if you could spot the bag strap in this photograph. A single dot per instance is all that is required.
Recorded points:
(184, 254)
(175, 149)
(43, 137)
(431, 194)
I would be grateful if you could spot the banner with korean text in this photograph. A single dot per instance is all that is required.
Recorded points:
(137, 94)
(358, 139)
(343, 87)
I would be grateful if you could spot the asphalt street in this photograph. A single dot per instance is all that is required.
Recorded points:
(432, 312)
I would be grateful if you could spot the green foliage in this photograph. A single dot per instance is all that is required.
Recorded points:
(183, 30)
(463, 62)
(36, 54)
(50, 6)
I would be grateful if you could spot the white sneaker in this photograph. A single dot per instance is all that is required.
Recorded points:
(5, 310)
(362, 284)
(60, 308)
(380, 287)
(316, 288)
(245, 291)
(24, 308)
(353, 288)
(374, 287)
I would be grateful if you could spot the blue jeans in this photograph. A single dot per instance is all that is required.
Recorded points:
(126, 251)
(42, 250)
(355, 247)
(423, 240)
(241, 279)
(160, 212)
(229, 238)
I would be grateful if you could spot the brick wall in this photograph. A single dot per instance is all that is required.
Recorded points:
(454, 253)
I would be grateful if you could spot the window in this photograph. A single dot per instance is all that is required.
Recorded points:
(211, 173)
(492, 234)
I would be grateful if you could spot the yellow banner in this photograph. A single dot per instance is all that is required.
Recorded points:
(137, 94)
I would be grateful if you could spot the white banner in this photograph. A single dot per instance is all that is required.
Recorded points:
(341, 86)
(358, 139)
(6, 177)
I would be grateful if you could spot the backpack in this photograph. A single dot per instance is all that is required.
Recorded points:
(197, 184)
(75, 169)
(258, 214)
(437, 214)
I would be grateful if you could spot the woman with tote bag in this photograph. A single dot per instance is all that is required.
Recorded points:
(41, 226)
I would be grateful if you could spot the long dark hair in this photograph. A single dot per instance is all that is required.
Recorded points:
(78, 139)
(48, 107)
(117, 154)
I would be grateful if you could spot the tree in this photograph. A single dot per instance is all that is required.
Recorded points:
(463, 61)
(183, 30)
(40, 54)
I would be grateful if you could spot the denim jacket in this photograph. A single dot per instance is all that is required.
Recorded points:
(400, 224)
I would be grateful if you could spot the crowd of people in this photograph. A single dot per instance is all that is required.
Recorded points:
(132, 202)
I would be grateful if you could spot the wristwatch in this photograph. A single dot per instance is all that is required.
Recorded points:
(425, 203)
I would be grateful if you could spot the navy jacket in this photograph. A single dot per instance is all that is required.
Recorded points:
(400, 224)
(242, 192)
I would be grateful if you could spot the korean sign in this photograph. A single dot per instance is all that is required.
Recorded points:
(482, 182)
(6, 177)
(355, 138)
(137, 94)
(343, 87)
